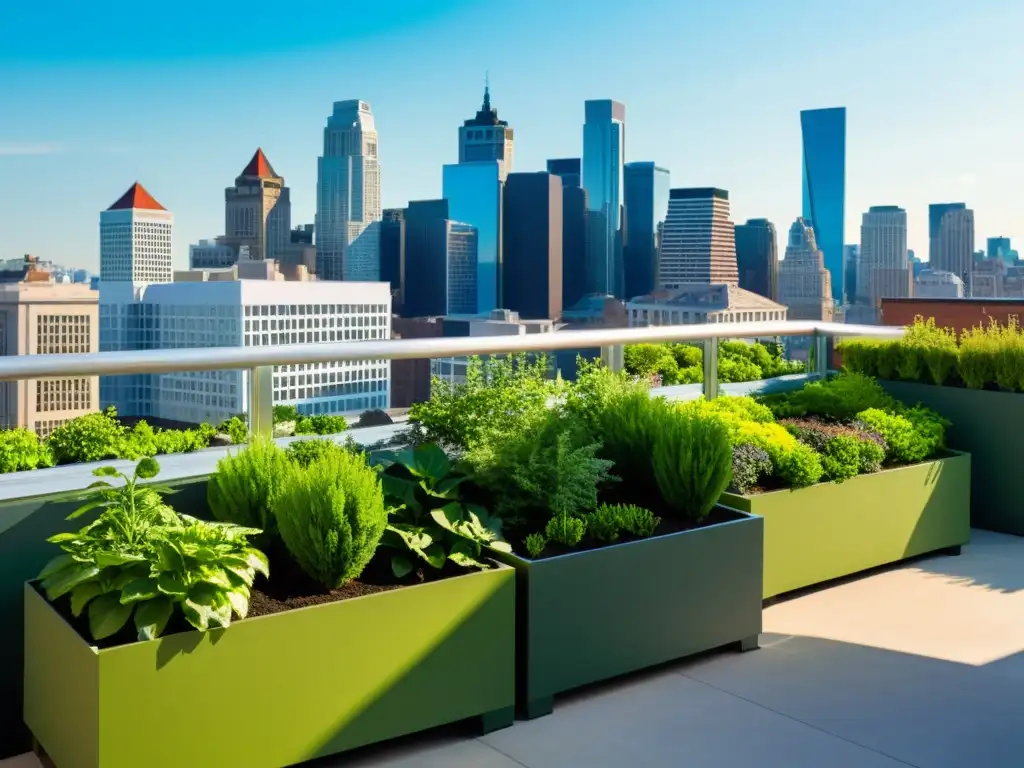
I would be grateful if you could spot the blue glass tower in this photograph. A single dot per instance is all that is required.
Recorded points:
(646, 194)
(824, 185)
(474, 193)
(604, 149)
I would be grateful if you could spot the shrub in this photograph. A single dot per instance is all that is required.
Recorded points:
(688, 356)
(92, 437)
(243, 489)
(627, 428)
(604, 524)
(692, 461)
(306, 452)
(737, 369)
(138, 442)
(183, 441)
(20, 450)
(638, 521)
(872, 454)
(799, 466)
(644, 360)
(320, 424)
(565, 530)
(374, 418)
(839, 398)
(284, 413)
(331, 516)
(910, 437)
(535, 544)
(596, 388)
(750, 463)
(841, 458)
(236, 429)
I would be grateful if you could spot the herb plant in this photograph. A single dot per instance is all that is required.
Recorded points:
(692, 463)
(320, 424)
(243, 489)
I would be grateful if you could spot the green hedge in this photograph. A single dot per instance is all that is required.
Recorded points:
(671, 364)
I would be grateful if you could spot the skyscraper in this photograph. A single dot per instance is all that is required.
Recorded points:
(135, 239)
(604, 151)
(568, 169)
(646, 189)
(474, 193)
(824, 185)
(757, 257)
(348, 208)
(951, 240)
(440, 266)
(258, 211)
(392, 253)
(805, 285)
(1000, 248)
(698, 244)
(851, 266)
(884, 263)
(485, 138)
(533, 245)
(574, 245)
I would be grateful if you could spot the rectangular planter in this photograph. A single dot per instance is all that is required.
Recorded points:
(826, 531)
(592, 615)
(990, 427)
(275, 690)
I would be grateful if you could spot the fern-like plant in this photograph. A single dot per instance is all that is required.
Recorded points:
(692, 462)
(331, 516)
(627, 428)
(243, 489)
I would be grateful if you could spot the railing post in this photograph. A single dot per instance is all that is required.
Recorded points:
(711, 368)
(261, 401)
(613, 358)
(822, 353)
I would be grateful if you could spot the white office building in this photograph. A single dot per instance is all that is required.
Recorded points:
(348, 209)
(210, 309)
(135, 239)
(938, 284)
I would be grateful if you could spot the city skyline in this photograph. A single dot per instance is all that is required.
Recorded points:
(184, 138)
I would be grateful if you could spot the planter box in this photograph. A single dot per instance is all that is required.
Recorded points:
(826, 531)
(990, 427)
(275, 690)
(592, 615)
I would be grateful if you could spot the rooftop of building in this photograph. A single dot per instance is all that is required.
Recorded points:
(716, 296)
(136, 198)
(259, 167)
(697, 193)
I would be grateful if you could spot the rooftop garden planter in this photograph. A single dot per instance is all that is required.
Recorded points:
(370, 613)
(846, 480)
(977, 383)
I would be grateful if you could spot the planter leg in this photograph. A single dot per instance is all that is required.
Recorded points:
(539, 707)
(953, 551)
(497, 719)
(749, 644)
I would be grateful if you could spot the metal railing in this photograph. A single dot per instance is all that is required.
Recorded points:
(260, 361)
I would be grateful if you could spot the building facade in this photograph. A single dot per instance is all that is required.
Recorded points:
(568, 169)
(39, 316)
(646, 189)
(475, 193)
(392, 253)
(211, 254)
(935, 284)
(533, 229)
(348, 209)
(1001, 248)
(258, 211)
(486, 139)
(823, 133)
(951, 240)
(757, 257)
(698, 242)
(805, 285)
(574, 245)
(851, 266)
(718, 303)
(604, 153)
(135, 239)
(884, 261)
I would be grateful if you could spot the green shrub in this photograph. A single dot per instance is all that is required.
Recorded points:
(841, 458)
(692, 461)
(638, 521)
(750, 463)
(871, 456)
(138, 442)
(321, 424)
(646, 360)
(840, 398)
(910, 437)
(604, 524)
(738, 369)
(565, 530)
(799, 466)
(331, 516)
(243, 489)
(92, 437)
(183, 441)
(627, 428)
(236, 429)
(596, 388)
(20, 449)
(688, 356)
(535, 544)
(283, 413)
(305, 452)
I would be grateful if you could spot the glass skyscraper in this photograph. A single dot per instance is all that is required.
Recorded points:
(604, 150)
(568, 169)
(474, 193)
(757, 257)
(646, 194)
(824, 185)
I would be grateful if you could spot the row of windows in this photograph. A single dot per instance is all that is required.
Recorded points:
(63, 334)
(269, 310)
(310, 337)
(63, 395)
(332, 377)
(300, 323)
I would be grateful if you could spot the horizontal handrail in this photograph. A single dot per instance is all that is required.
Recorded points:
(224, 358)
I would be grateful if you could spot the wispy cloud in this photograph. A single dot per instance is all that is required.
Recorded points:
(29, 148)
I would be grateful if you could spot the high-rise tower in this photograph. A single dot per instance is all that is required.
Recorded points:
(645, 192)
(885, 271)
(348, 209)
(804, 283)
(258, 211)
(604, 152)
(135, 239)
(485, 138)
(757, 257)
(698, 244)
(951, 240)
(824, 185)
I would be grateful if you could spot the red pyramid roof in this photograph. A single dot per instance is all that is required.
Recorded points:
(259, 167)
(136, 197)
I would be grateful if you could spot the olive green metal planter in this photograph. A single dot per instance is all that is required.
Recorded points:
(275, 690)
(830, 530)
(592, 615)
(989, 426)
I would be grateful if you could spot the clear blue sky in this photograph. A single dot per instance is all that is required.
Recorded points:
(180, 96)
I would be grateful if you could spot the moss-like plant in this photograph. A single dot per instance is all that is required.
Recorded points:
(245, 484)
(627, 428)
(692, 463)
(535, 544)
(331, 516)
(638, 521)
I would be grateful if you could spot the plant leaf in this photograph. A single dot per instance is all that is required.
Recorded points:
(434, 554)
(139, 589)
(82, 594)
(239, 603)
(106, 471)
(67, 579)
(107, 616)
(400, 566)
(400, 489)
(197, 615)
(151, 617)
(464, 554)
(171, 584)
(258, 562)
(447, 487)
(86, 508)
(430, 461)
(59, 563)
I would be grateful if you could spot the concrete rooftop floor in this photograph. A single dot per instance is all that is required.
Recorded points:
(918, 665)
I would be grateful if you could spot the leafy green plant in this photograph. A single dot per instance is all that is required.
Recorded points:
(429, 523)
(283, 413)
(331, 516)
(638, 521)
(139, 558)
(305, 452)
(692, 463)
(628, 427)
(92, 437)
(750, 463)
(236, 429)
(20, 449)
(243, 489)
(799, 466)
(565, 530)
(604, 524)
(535, 544)
(840, 398)
(320, 424)
(911, 436)
(841, 458)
